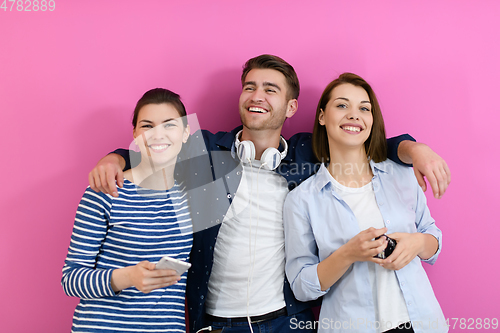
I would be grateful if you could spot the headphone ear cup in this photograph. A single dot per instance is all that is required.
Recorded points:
(271, 158)
(246, 151)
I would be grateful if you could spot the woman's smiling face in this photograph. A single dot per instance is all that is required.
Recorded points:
(347, 116)
(160, 133)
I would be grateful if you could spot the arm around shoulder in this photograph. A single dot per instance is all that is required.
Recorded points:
(428, 164)
(393, 149)
(107, 174)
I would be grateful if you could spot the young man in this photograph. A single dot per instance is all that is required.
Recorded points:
(238, 275)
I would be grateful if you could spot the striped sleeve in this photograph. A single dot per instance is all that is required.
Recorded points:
(79, 276)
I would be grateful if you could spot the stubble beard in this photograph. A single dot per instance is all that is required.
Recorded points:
(273, 123)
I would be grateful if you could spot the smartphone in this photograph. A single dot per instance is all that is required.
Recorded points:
(170, 263)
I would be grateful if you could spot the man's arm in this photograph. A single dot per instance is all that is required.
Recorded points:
(426, 163)
(108, 169)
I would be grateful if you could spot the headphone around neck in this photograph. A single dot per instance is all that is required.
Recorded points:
(270, 159)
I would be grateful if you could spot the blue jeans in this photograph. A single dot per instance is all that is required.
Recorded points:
(280, 324)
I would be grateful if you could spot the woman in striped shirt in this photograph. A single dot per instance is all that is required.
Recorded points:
(117, 240)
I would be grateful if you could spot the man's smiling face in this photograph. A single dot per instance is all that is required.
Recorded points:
(264, 104)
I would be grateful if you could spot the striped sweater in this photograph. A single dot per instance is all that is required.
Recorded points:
(112, 233)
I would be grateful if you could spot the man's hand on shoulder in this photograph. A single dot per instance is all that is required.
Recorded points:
(107, 174)
(428, 164)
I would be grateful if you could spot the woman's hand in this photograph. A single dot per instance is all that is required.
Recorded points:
(408, 247)
(363, 247)
(144, 277)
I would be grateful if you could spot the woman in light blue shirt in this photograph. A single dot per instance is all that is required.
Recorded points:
(334, 220)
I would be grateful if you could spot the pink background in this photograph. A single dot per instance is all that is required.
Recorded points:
(69, 80)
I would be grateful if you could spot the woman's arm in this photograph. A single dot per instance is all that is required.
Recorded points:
(410, 245)
(80, 278)
(309, 278)
(300, 251)
(425, 243)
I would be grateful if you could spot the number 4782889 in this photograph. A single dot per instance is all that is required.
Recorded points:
(472, 323)
(28, 5)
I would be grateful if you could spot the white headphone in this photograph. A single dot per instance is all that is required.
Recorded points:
(270, 159)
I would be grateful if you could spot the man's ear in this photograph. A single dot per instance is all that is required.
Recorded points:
(321, 117)
(292, 107)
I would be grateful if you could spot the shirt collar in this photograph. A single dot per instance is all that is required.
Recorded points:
(323, 177)
(383, 166)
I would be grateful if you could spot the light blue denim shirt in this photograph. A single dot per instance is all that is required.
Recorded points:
(317, 222)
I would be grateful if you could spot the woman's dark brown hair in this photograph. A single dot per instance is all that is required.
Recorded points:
(160, 96)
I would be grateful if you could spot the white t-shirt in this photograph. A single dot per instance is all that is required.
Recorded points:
(387, 295)
(249, 255)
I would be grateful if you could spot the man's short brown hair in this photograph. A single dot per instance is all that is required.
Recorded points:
(267, 61)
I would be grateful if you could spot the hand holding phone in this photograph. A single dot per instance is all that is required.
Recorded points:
(170, 263)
